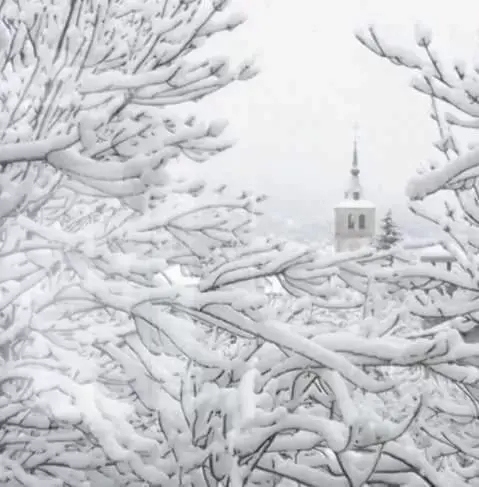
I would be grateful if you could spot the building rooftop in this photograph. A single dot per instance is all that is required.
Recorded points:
(435, 252)
(350, 203)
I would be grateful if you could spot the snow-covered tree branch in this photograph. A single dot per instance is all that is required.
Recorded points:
(446, 300)
(87, 136)
(115, 370)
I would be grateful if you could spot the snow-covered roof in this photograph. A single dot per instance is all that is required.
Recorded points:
(435, 252)
(355, 204)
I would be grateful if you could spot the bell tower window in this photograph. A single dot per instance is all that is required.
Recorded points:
(350, 222)
(362, 222)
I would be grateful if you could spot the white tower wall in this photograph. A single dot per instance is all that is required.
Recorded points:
(355, 227)
(355, 217)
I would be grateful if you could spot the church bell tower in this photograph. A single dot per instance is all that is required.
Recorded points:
(354, 217)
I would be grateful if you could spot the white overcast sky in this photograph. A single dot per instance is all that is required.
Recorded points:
(295, 120)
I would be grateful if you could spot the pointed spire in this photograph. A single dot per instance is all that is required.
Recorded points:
(354, 191)
(355, 168)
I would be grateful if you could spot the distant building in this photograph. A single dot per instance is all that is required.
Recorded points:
(437, 256)
(354, 217)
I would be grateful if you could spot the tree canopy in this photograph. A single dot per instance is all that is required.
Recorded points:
(116, 370)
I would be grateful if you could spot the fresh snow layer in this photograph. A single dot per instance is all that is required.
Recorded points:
(356, 204)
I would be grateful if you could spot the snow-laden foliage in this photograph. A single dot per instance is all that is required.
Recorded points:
(317, 399)
(114, 372)
(90, 223)
(453, 174)
(446, 300)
